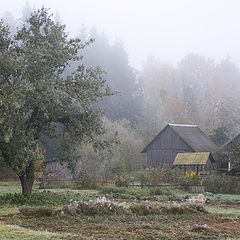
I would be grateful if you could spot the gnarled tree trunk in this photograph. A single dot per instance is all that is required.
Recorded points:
(27, 179)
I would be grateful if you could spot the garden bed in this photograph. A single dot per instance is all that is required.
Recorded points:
(140, 221)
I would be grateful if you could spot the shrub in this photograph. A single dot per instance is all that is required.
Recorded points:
(183, 209)
(162, 191)
(48, 183)
(126, 193)
(174, 197)
(84, 181)
(120, 181)
(44, 198)
(106, 207)
(147, 208)
(149, 177)
(112, 189)
(156, 176)
(37, 211)
(97, 207)
(222, 184)
(39, 198)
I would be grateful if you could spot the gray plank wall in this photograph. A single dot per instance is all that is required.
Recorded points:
(59, 171)
(164, 149)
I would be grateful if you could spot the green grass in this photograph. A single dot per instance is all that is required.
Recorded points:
(13, 187)
(223, 211)
(132, 227)
(15, 232)
(5, 210)
(225, 199)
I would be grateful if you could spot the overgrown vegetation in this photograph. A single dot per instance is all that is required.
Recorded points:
(222, 184)
(43, 198)
(127, 212)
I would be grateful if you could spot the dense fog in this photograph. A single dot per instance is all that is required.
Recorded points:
(165, 29)
(164, 61)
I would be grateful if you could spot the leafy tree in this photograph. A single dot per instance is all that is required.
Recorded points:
(234, 153)
(124, 155)
(36, 99)
(219, 135)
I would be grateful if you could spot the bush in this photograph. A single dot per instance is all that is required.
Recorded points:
(126, 193)
(97, 207)
(183, 209)
(156, 176)
(44, 198)
(84, 181)
(39, 198)
(161, 191)
(222, 184)
(145, 209)
(48, 183)
(120, 181)
(156, 191)
(106, 207)
(112, 189)
(37, 211)
(155, 208)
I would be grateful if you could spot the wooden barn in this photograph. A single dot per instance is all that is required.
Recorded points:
(173, 139)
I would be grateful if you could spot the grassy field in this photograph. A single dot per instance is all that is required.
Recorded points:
(13, 187)
(220, 221)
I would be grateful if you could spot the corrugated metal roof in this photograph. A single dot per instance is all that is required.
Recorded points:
(197, 158)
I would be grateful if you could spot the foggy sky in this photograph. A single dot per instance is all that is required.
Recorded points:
(167, 29)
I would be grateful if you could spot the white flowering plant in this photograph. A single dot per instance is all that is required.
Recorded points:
(99, 206)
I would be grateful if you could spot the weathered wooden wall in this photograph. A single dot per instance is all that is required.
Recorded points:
(59, 170)
(164, 149)
(62, 172)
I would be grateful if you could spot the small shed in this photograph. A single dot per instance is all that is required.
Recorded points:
(174, 139)
(198, 161)
(56, 174)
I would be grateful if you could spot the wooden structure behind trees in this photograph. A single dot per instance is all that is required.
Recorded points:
(173, 139)
(198, 161)
(229, 155)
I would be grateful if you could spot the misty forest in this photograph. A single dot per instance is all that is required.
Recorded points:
(92, 147)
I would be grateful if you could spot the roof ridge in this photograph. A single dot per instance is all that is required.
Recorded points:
(229, 141)
(181, 125)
